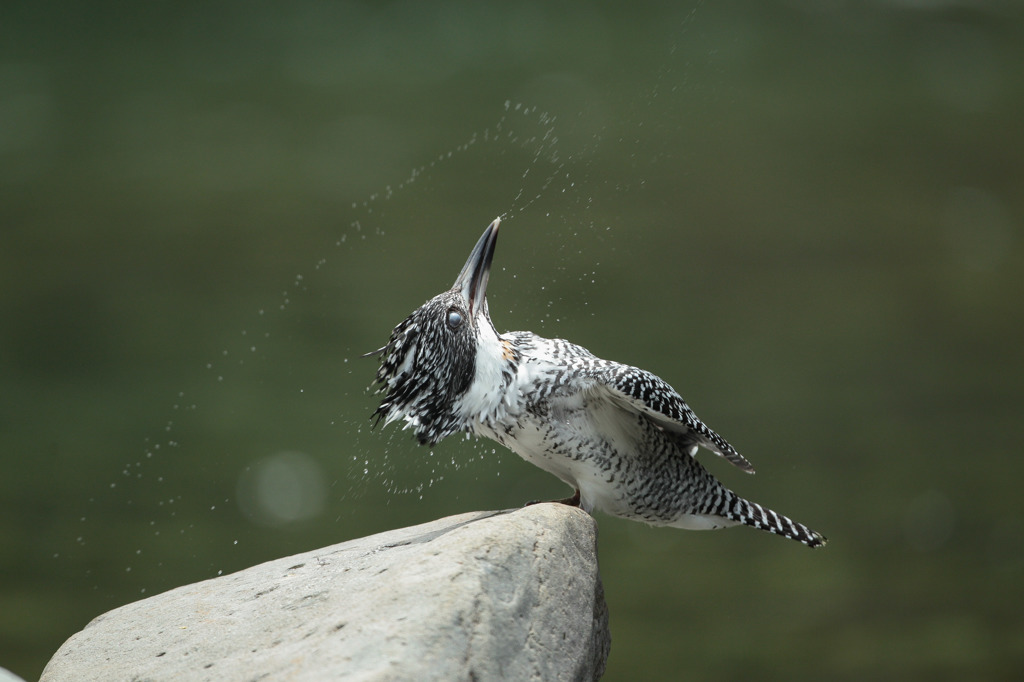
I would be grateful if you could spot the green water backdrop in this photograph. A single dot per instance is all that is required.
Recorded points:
(805, 216)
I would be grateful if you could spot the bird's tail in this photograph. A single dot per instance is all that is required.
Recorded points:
(754, 515)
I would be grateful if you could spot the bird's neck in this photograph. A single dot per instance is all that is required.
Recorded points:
(497, 363)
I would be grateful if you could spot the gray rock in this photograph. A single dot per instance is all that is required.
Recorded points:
(7, 676)
(510, 595)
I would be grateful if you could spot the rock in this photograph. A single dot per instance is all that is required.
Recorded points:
(7, 676)
(479, 596)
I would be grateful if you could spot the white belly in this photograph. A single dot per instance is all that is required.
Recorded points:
(557, 444)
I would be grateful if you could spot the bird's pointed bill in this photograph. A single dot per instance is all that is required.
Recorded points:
(472, 281)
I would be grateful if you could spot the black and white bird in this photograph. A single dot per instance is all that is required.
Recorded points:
(620, 436)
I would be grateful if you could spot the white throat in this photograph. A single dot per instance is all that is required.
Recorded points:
(486, 393)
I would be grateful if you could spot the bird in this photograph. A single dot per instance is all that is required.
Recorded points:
(621, 437)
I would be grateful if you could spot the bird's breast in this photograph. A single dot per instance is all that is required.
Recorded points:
(586, 442)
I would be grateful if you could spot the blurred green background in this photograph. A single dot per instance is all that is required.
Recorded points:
(805, 216)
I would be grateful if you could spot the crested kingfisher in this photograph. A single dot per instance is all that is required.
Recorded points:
(620, 436)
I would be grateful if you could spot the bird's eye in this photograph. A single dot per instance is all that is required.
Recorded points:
(454, 318)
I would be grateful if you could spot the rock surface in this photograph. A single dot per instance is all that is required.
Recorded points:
(479, 596)
(7, 676)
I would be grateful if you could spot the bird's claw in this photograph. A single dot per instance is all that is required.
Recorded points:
(573, 501)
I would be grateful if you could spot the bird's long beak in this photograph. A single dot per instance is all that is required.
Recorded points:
(472, 281)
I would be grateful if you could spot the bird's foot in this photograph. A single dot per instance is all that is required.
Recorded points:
(573, 501)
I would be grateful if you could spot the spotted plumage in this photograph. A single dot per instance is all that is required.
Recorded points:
(623, 438)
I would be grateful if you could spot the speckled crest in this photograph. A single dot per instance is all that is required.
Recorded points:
(426, 366)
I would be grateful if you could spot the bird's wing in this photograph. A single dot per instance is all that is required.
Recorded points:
(640, 391)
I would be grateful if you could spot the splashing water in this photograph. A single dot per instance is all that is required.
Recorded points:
(320, 460)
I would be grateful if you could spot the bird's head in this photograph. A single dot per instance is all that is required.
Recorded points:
(429, 363)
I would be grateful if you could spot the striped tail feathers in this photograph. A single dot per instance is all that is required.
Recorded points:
(754, 515)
